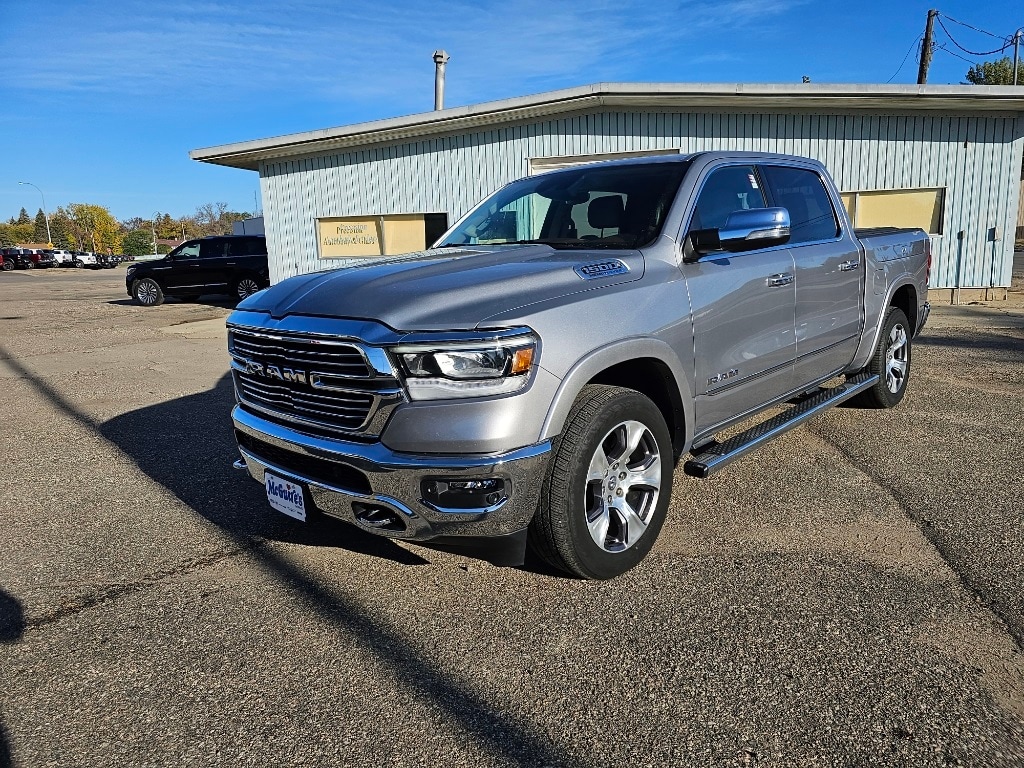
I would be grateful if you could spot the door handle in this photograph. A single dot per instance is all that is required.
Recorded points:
(783, 278)
(849, 266)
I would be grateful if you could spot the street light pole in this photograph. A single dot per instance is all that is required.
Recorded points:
(46, 218)
(155, 214)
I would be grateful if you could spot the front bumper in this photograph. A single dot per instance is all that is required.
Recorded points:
(379, 490)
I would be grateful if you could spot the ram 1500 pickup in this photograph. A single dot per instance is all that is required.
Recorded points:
(549, 363)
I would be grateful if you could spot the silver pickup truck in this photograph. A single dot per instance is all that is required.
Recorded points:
(548, 364)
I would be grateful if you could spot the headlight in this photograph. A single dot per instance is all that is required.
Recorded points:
(466, 368)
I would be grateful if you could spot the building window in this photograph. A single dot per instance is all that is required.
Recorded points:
(352, 237)
(897, 208)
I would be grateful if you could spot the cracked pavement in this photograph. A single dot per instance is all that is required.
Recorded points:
(849, 595)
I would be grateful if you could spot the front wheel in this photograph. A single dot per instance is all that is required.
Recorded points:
(608, 485)
(147, 292)
(8, 265)
(891, 361)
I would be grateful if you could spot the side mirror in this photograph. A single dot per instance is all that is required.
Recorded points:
(744, 230)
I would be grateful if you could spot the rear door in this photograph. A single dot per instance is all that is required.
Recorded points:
(829, 272)
(214, 258)
(742, 308)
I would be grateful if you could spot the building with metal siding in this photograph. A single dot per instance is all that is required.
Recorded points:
(964, 144)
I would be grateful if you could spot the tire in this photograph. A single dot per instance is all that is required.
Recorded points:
(576, 528)
(147, 292)
(79, 265)
(8, 265)
(30, 264)
(245, 286)
(891, 361)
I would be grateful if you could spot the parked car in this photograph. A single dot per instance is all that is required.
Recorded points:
(2, 267)
(17, 258)
(42, 258)
(545, 367)
(85, 259)
(231, 264)
(62, 256)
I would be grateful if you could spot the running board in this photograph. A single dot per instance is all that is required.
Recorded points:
(714, 456)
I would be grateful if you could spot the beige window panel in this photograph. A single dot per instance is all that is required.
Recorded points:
(350, 237)
(897, 208)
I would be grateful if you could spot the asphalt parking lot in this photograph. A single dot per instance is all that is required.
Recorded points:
(851, 595)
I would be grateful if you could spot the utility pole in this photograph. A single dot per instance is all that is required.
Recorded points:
(926, 48)
(1016, 50)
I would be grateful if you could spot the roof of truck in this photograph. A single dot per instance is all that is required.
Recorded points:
(815, 97)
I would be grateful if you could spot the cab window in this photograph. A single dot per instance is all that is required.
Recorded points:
(801, 192)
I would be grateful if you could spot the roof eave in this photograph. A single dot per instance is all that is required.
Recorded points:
(813, 96)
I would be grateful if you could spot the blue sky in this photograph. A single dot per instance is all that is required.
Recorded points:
(100, 102)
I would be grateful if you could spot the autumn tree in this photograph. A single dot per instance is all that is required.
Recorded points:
(998, 72)
(93, 227)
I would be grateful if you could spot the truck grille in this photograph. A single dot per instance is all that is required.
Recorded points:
(300, 353)
(319, 381)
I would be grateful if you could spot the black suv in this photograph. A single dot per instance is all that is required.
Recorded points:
(231, 264)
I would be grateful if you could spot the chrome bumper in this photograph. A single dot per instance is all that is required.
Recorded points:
(393, 481)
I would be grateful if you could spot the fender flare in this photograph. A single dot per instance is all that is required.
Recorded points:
(588, 367)
(866, 350)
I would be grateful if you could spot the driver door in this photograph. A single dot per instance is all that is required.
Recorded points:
(742, 306)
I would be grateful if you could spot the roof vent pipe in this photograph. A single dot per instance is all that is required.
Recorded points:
(440, 59)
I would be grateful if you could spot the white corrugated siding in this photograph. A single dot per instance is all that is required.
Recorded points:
(976, 159)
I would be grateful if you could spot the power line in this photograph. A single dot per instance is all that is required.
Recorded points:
(967, 50)
(942, 47)
(976, 29)
(911, 48)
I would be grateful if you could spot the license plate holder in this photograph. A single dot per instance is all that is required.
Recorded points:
(286, 495)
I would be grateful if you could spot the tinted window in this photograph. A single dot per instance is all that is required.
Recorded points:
(803, 194)
(186, 251)
(246, 246)
(728, 189)
(212, 248)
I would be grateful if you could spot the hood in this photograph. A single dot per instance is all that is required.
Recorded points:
(447, 288)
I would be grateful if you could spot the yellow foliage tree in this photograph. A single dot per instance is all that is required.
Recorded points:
(93, 225)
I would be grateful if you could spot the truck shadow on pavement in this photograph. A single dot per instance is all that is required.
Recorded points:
(185, 445)
(12, 625)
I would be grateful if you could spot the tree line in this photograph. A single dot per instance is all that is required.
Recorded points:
(88, 227)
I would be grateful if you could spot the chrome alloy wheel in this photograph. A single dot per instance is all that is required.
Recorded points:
(147, 292)
(246, 287)
(896, 359)
(623, 484)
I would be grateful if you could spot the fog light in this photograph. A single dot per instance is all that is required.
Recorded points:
(464, 493)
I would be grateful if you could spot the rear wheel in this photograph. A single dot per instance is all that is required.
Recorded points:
(8, 265)
(891, 361)
(147, 292)
(608, 485)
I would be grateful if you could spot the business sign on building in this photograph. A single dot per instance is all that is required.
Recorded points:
(352, 237)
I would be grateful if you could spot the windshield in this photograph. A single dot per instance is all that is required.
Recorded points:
(619, 206)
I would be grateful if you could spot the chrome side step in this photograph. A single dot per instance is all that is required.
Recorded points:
(713, 456)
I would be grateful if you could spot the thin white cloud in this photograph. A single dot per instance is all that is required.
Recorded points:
(365, 51)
